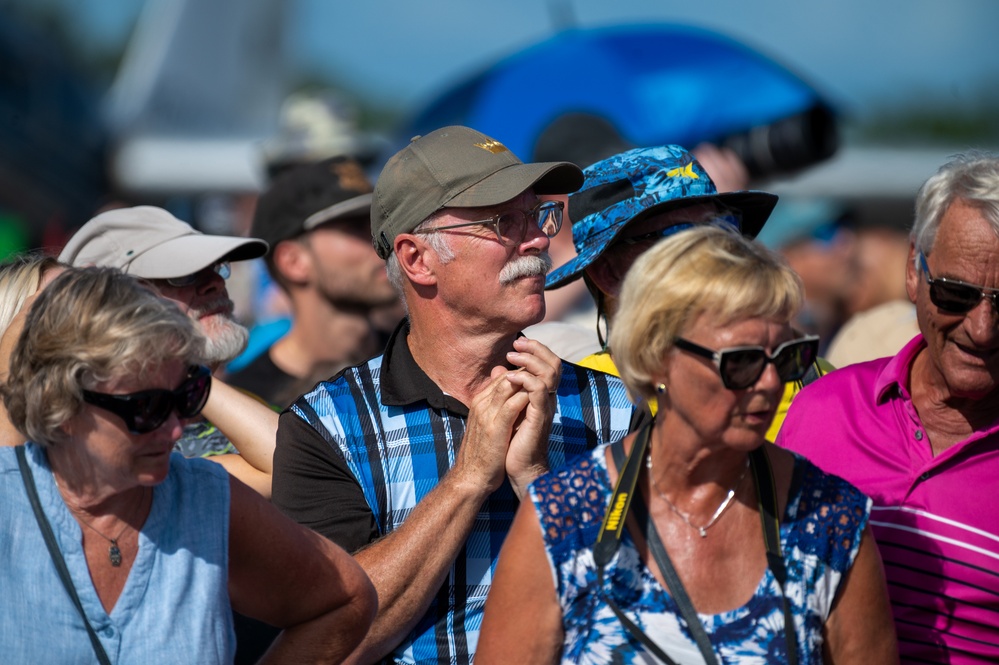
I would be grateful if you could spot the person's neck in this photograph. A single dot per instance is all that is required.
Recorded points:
(689, 466)
(81, 487)
(458, 355)
(322, 334)
(947, 419)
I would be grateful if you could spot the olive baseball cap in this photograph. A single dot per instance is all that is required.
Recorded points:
(149, 242)
(455, 167)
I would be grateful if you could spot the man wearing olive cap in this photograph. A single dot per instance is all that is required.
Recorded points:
(416, 459)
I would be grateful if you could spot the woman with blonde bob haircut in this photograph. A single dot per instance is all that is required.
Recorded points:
(707, 269)
(694, 540)
(148, 552)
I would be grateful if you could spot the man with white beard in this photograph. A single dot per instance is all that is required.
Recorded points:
(187, 267)
(415, 460)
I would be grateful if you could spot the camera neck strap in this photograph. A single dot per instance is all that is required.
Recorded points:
(625, 495)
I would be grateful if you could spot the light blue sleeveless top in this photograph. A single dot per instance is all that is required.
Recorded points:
(175, 604)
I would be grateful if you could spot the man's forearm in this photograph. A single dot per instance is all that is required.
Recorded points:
(409, 565)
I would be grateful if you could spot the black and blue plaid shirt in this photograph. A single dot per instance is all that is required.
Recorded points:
(357, 453)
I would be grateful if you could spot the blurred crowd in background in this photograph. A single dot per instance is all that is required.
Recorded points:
(200, 112)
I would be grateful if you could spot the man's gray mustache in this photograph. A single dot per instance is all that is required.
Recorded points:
(222, 306)
(526, 266)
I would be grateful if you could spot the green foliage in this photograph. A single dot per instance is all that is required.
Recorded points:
(930, 120)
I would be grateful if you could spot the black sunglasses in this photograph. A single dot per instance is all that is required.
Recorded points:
(742, 366)
(953, 296)
(146, 410)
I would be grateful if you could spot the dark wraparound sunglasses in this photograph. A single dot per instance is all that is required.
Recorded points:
(740, 367)
(146, 410)
(953, 296)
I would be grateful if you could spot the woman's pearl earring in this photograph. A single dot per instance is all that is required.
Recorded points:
(661, 389)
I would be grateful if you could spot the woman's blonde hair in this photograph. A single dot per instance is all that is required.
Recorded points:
(20, 276)
(706, 269)
(88, 326)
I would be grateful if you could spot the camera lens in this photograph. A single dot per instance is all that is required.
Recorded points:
(787, 145)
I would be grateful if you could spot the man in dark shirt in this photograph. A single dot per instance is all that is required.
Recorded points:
(315, 217)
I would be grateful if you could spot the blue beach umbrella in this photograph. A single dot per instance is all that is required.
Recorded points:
(654, 84)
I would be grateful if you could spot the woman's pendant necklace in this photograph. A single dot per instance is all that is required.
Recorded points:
(702, 530)
(114, 552)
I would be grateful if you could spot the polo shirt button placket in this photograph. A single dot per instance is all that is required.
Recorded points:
(919, 435)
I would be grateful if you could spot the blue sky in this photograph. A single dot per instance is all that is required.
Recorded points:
(861, 54)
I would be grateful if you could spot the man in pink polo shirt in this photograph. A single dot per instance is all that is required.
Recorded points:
(919, 432)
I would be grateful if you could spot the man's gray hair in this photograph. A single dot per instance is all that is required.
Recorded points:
(437, 241)
(972, 177)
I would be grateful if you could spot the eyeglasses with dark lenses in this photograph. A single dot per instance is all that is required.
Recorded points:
(222, 269)
(511, 226)
(741, 367)
(955, 297)
(147, 410)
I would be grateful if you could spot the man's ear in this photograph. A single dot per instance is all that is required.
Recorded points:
(911, 274)
(416, 259)
(293, 261)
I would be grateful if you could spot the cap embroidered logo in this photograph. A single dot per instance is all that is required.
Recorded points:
(684, 172)
(492, 146)
(351, 176)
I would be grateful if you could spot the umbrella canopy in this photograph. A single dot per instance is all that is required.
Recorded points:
(654, 84)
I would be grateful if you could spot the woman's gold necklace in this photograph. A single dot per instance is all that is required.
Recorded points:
(703, 530)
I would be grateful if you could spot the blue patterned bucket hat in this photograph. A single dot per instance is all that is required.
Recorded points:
(638, 183)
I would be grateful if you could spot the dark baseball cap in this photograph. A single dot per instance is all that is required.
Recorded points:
(302, 197)
(455, 167)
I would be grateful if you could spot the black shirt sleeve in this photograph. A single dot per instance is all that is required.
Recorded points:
(313, 485)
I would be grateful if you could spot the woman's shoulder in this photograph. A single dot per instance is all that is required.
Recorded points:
(829, 513)
(823, 486)
(198, 480)
(572, 498)
(582, 470)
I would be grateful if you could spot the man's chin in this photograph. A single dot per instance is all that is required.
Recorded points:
(224, 339)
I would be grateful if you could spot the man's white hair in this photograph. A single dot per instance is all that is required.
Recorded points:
(438, 242)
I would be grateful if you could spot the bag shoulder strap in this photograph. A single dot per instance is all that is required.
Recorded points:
(766, 489)
(50, 541)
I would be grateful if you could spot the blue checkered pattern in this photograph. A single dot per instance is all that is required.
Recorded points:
(398, 454)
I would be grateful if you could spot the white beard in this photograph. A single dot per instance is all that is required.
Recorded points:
(224, 339)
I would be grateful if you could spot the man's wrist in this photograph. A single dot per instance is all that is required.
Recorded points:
(521, 480)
